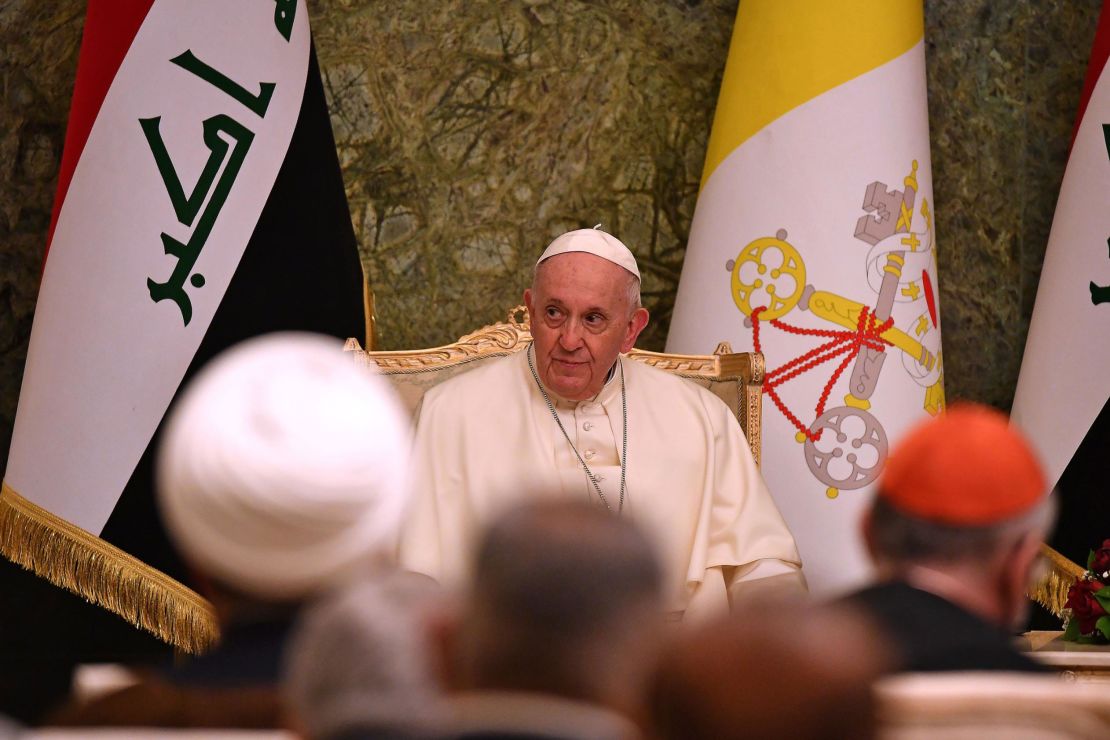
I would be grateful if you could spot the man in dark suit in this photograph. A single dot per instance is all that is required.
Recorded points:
(955, 532)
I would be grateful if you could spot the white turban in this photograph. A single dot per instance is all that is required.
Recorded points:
(283, 469)
(596, 242)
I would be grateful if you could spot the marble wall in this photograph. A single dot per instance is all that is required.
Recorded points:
(471, 131)
(1004, 84)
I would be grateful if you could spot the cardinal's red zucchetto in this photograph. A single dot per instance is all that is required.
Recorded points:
(968, 467)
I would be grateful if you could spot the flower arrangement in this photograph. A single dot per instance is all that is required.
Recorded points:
(1088, 605)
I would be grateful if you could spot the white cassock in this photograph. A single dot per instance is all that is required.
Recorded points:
(486, 439)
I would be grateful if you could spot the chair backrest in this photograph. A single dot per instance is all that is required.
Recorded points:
(959, 706)
(735, 377)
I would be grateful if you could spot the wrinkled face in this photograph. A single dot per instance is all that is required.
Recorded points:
(582, 319)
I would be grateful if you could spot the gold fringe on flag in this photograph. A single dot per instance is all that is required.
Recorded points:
(97, 571)
(1051, 591)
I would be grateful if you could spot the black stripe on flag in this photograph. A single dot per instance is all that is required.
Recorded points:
(1084, 494)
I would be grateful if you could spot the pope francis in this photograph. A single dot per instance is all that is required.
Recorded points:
(569, 417)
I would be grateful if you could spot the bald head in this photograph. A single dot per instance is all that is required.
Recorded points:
(762, 673)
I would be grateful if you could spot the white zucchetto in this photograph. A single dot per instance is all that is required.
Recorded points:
(283, 469)
(596, 242)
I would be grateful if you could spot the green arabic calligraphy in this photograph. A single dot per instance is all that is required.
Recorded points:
(227, 141)
(284, 13)
(187, 253)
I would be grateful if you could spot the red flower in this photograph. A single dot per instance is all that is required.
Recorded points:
(1100, 559)
(1085, 608)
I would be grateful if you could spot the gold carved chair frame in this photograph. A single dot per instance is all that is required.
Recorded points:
(736, 377)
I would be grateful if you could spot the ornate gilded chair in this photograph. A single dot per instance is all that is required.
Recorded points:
(735, 377)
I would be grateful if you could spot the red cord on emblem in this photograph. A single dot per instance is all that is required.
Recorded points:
(868, 334)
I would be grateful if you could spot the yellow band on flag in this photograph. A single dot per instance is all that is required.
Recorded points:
(785, 52)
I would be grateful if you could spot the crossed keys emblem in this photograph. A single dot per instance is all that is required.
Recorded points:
(846, 446)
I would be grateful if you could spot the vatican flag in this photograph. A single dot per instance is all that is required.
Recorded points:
(813, 242)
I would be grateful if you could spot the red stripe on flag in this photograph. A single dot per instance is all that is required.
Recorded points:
(110, 27)
(1100, 52)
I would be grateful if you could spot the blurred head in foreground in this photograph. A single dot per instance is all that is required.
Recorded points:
(282, 469)
(962, 508)
(358, 664)
(802, 673)
(566, 601)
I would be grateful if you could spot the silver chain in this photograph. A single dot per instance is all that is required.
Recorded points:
(624, 443)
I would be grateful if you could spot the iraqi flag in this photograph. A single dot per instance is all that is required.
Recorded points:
(200, 202)
(1062, 400)
(813, 242)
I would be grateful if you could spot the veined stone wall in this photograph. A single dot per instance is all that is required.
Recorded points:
(473, 131)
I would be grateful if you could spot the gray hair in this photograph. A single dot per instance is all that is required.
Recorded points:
(358, 660)
(562, 596)
(632, 286)
(900, 538)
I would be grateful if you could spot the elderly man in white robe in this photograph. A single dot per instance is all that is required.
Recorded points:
(569, 417)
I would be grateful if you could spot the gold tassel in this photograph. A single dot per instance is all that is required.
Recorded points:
(1051, 591)
(101, 573)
